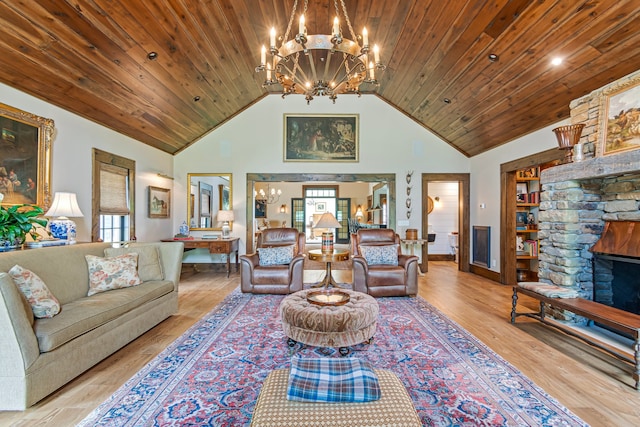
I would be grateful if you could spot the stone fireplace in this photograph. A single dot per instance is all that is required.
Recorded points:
(577, 199)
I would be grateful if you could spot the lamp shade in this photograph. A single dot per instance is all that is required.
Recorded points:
(64, 204)
(225, 216)
(327, 220)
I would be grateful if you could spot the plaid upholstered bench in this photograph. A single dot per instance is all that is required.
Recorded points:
(394, 408)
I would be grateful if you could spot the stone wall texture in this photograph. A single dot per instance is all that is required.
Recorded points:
(577, 198)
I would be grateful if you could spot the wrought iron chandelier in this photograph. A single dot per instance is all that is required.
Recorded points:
(270, 196)
(320, 64)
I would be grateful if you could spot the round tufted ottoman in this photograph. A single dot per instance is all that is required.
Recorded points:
(329, 326)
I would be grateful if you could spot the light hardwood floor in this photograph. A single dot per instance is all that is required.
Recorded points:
(595, 386)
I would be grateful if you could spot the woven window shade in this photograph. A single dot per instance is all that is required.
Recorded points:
(113, 190)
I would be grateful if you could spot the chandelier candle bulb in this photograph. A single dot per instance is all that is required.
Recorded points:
(376, 54)
(336, 27)
(301, 25)
(365, 38)
(372, 74)
(263, 56)
(268, 72)
(272, 37)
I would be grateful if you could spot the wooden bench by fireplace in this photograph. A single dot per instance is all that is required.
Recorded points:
(612, 317)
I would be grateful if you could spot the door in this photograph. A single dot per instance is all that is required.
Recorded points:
(297, 214)
(343, 207)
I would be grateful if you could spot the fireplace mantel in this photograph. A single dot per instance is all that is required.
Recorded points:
(598, 167)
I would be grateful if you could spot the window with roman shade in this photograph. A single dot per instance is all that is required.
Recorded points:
(113, 197)
(113, 190)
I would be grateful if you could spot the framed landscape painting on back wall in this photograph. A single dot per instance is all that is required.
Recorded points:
(321, 138)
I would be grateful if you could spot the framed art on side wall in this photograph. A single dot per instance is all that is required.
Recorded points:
(321, 138)
(620, 119)
(159, 202)
(25, 157)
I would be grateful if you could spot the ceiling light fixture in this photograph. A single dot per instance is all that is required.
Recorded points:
(270, 196)
(320, 64)
(556, 61)
(493, 57)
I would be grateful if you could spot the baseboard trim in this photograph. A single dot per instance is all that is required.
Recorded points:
(441, 257)
(484, 272)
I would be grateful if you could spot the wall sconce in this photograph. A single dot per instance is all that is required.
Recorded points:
(359, 214)
(283, 209)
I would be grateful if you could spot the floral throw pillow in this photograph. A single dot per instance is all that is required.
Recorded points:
(43, 303)
(380, 255)
(275, 256)
(106, 274)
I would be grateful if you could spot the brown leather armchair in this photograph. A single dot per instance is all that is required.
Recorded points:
(274, 279)
(383, 280)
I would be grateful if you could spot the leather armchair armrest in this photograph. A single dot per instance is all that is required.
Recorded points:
(404, 260)
(252, 259)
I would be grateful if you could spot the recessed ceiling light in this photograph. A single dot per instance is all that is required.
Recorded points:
(493, 57)
(447, 101)
(196, 98)
(152, 56)
(556, 61)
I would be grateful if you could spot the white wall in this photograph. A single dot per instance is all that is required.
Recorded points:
(73, 140)
(252, 142)
(485, 181)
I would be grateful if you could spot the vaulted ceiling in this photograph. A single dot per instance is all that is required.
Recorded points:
(90, 57)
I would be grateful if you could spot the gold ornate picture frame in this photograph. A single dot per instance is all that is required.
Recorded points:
(25, 157)
(620, 118)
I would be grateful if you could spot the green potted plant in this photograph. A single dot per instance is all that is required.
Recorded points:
(16, 221)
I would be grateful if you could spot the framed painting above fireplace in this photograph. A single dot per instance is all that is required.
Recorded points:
(620, 119)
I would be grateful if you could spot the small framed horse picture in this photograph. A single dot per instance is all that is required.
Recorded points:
(159, 202)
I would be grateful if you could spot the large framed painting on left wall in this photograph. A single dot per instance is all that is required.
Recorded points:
(25, 157)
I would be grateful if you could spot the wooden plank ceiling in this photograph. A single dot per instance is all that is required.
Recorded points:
(90, 57)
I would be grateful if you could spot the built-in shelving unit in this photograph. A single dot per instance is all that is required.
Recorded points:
(527, 204)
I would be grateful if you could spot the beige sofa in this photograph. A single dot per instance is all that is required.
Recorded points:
(38, 356)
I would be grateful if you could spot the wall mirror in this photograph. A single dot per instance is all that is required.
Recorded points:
(208, 194)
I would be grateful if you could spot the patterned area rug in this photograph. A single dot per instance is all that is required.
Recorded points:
(211, 376)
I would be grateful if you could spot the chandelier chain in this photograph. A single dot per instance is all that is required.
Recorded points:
(293, 12)
(346, 17)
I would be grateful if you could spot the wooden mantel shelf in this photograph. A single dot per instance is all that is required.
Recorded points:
(598, 167)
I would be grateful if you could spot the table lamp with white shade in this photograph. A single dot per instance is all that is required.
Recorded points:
(64, 205)
(225, 216)
(327, 220)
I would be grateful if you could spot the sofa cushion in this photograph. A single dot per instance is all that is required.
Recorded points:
(276, 255)
(88, 313)
(149, 266)
(380, 255)
(328, 379)
(106, 274)
(43, 302)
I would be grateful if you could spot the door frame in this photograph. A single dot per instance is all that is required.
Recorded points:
(252, 178)
(464, 215)
(508, 208)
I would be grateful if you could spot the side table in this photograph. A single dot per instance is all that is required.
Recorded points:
(215, 246)
(328, 258)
